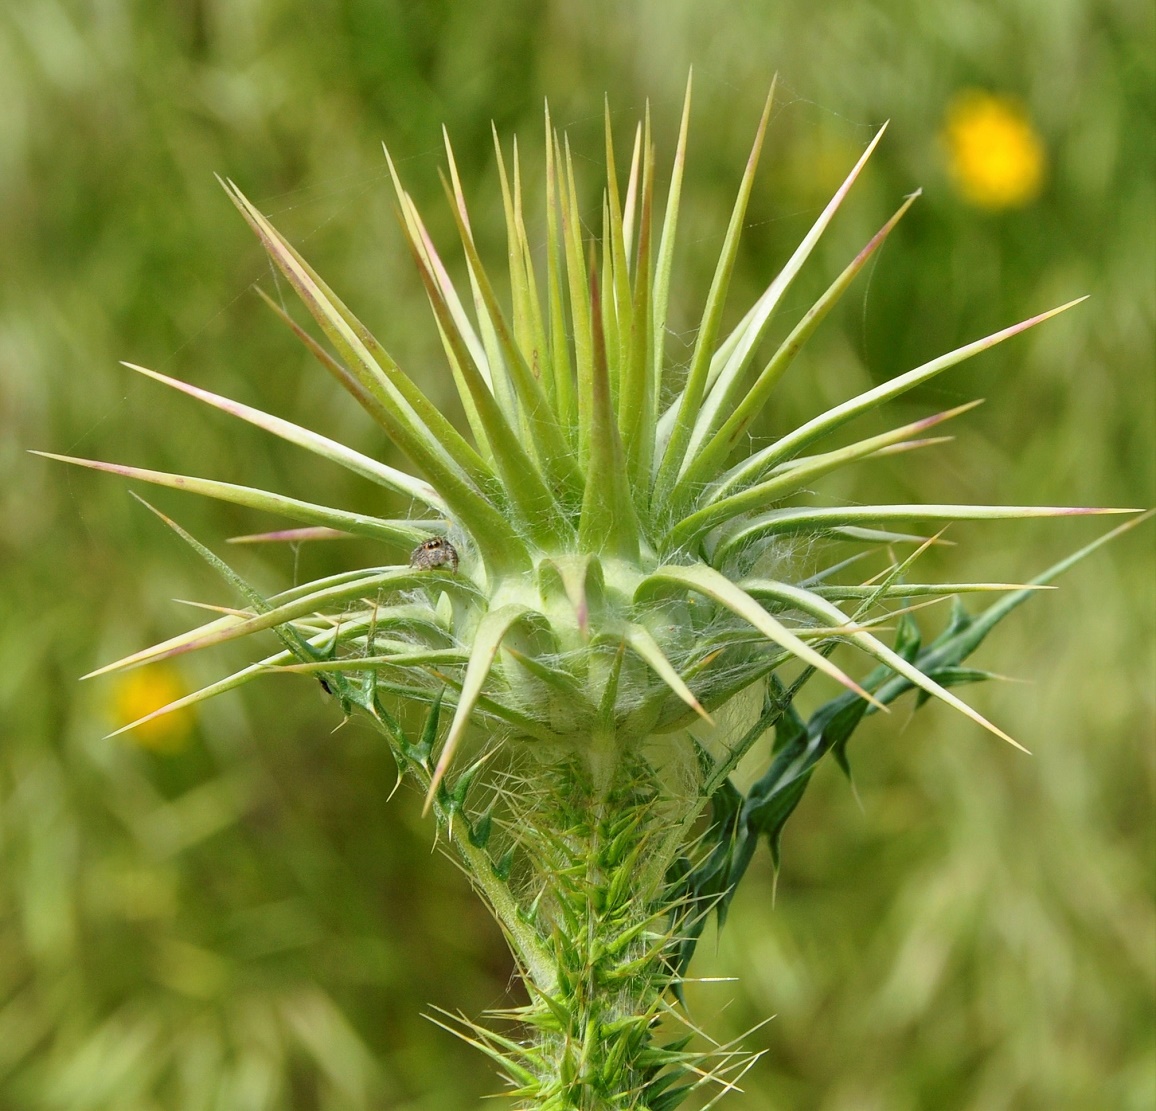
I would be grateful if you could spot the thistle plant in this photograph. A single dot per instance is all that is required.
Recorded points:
(598, 600)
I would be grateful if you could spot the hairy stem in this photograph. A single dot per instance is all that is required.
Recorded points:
(592, 1035)
(532, 957)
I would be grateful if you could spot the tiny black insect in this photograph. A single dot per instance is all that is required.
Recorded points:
(437, 551)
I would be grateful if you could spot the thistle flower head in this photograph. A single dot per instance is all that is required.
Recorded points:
(601, 555)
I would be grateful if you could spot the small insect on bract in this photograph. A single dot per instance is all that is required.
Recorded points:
(437, 551)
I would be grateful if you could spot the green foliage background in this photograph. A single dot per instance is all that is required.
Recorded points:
(249, 923)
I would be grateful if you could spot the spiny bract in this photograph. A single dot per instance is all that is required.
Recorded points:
(620, 560)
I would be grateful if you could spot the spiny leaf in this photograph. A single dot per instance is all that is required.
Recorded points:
(529, 323)
(420, 425)
(211, 690)
(137, 659)
(750, 470)
(638, 404)
(293, 639)
(562, 368)
(880, 536)
(267, 666)
(363, 465)
(821, 519)
(915, 590)
(631, 202)
(394, 532)
(609, 524)
(640, 639)
(552, 450)
(706, 580)
(616, 292)
(835, 721)
(491, 631)
(573, 573)
(665, 257)
(413, 423)
(521, 478)
(702, 457)
(291, 536)
(702, 465)
(369, 401)
(420, 242)
(966, 633)
(498, 377)
(821, 608)
(695, 388)
(396, 577)
(406, 655)
(792, 476)
(549, 673)
(580, 314)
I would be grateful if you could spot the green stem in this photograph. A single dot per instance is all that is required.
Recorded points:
(594, 1046)
(533, 959)
(531, 955)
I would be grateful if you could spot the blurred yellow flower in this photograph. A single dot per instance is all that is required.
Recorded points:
(138, 693)
(995, 156)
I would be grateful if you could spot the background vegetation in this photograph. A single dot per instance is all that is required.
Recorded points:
(229, 914)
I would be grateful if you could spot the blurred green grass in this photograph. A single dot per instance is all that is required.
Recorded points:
(247, 923)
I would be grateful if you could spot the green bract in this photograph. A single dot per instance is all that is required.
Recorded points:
(621, 580)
